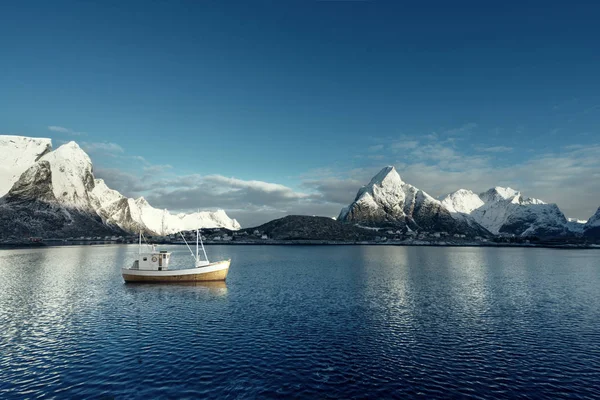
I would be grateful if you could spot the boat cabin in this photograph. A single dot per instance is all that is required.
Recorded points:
(153, 261)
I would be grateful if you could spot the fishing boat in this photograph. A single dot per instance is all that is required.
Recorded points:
(152, 265)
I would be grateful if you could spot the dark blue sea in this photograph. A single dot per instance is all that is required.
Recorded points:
(304, 322)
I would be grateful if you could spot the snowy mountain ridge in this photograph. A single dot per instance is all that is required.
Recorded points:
(594, 221)
(592, 226)
(59, 186)
(17, 154)
(72, 176)
(505, 211)
(388, 201)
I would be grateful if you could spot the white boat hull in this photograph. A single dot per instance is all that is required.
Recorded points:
(216, 271)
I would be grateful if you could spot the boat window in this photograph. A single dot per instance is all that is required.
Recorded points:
(145, 258)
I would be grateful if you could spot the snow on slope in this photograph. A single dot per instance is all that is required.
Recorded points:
(17, 154)
(498, 194)
(383, 198)
(207, 219)
(462, 201)
(594, 222)
(505, 210)
(74, 188)
(387, 200)
(576, 225)
(131, 215)
(163, 222)
(72, 177)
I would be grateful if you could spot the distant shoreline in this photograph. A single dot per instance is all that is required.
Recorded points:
(54, 243)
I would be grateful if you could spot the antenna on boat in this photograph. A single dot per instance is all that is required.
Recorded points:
(140, 246)
(188, 246)
(203, 250)
(201, 243)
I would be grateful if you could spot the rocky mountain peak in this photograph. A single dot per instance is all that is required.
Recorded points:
(385, 187)
(387, 176)
(594, 221)
(462, 201)
(17, 154)
(499, 193)
(55, 193)
(142, 202)
(34, 184)
(72, 176)
(388, 201)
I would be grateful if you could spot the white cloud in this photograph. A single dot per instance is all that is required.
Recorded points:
(461, 129)
(404, 144)
(375, 148)
(252, 202)
(68, 131)
(156, 169)
(259, 186)
(569, 177)
(495, 149)
(105, 147)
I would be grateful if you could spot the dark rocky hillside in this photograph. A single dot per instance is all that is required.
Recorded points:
(301, 227)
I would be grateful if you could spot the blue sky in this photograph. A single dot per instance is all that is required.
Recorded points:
(272, 107)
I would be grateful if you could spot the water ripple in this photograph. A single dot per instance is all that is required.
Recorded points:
(304, 322)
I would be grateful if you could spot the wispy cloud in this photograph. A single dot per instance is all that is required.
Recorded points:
(105, 147)
(495, 149)
(434, 164)
(461, 129)
(254, 185)
(375, 148)
(441, 167)
(68, 131)
(156, 169)
(252, 202)
(404, 144)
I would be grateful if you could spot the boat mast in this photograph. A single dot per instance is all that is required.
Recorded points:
(200, 236)
(140, 244)
(203, 250)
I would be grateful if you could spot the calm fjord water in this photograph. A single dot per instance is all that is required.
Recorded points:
(304, 322)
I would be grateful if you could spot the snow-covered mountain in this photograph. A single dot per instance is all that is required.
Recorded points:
(31, 208)
(505, 211)
(388, 201)
(576, 225)
(17, 153)
(55, 193)
(592, 226)
(131, 215)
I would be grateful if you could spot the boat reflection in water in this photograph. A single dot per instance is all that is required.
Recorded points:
(212, 288)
